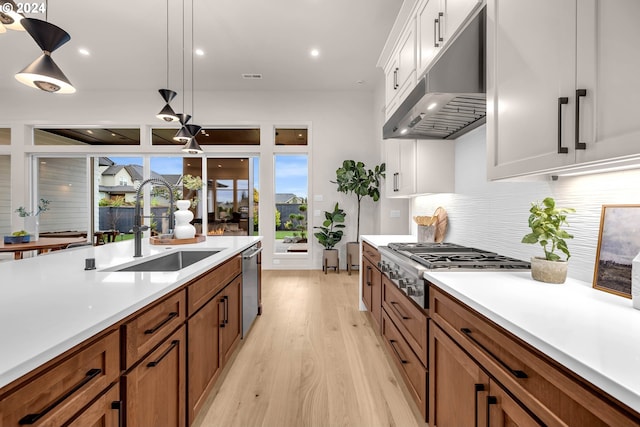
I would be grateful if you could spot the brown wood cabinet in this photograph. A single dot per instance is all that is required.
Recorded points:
(372, 283)
(534, 387)
(155, 389)
(214, 332)
(106, 411)
(413, 371)
(148, 329)
(409, 319)
(212, 282)
(58, 393)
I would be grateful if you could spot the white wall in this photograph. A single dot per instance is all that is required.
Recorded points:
(341, 127)
(5, 196)
(493, 215)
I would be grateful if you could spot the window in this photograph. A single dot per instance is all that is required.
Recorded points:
(5, 195)
(5, 136)
(291, 184)
(248, 136)
(116, 180)
(63, 181)
(291, 136)
(87, 136)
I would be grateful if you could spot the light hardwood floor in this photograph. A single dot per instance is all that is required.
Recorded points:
(311, 359)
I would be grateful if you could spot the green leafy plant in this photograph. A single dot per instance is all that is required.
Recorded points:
(298, 222)
(545, 222)
(43, 206)
(331, 230)
(353, 177)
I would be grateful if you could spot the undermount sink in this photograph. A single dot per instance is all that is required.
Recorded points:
(171, 262)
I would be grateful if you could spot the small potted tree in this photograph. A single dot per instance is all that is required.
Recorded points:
(329, 235)
(353, 177)
(546, 221)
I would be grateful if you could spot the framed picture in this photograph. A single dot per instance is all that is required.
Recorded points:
(618, 245)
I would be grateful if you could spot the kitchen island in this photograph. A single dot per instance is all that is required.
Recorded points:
(50, 304)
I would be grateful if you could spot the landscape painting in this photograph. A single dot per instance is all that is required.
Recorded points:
(618, 244)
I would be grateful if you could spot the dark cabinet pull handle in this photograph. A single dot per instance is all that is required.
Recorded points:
(161, 324)
(440, 16)
(394, 305)
(117, 404)
(516, 373)
(435, 33)
(33, 418)
(222, 323)
(395, 79)
(491, 400)
(478, 388)
(226, 309)
(368, 276)
(396, 178)
(163, 355)
(393, 346)
(561, 101)
(579, 94)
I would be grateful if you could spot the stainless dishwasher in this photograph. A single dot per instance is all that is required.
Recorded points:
(250, 283)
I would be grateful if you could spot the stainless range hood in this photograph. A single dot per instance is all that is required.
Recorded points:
(451, 98)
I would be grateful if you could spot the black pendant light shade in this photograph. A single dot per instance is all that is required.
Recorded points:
(43, 73)
(167, 114)
(193, 129)
(183, 118)
(9, 16)
(192, 146)
(183, 135)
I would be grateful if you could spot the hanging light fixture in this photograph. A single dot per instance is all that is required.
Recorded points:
(183, 134)
(9, 16)
(192, 146)
(167, 114)
(43, 73)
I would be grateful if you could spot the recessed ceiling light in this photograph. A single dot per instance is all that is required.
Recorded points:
(432, 106)
(315, 52)
(83, 51)
(219, 166)
(113, 134)
(199, 52)
(89, 131)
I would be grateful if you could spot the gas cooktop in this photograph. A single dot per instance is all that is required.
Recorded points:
(453, 256)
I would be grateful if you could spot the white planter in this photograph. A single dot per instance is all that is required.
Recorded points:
(548, 271)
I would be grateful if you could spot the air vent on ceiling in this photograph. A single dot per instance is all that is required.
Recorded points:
(252, 76)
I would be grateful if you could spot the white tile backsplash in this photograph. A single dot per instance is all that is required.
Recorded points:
(493, 215)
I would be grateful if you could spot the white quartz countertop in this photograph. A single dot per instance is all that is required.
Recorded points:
(49, 303)
(384, 240)
(593, 333)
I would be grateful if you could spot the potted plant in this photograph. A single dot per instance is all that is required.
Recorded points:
(31, 222)
(353, 177)
(329, 235)
(17, 237)
(546, 221)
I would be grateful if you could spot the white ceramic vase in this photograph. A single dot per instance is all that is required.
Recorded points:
(183, 216)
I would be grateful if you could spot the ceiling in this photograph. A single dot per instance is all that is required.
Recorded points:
(127, 42)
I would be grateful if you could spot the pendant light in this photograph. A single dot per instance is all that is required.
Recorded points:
(43, 73)
(9, 16)
(183, 134)
(192, 146)
(167, 114)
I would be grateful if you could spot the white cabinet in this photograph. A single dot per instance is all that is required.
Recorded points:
(561, 97)
(418, 167)
(437, 21)
(400, 71)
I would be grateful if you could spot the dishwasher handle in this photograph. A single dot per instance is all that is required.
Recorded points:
(246, 255)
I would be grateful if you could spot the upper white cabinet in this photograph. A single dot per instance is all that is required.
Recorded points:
(400, 71)
(419, 167)
(562, 97)
(437, 21)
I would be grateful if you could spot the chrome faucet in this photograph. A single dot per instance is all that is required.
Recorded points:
(138, 228)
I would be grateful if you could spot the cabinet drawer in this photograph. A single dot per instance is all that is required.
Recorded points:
(371, 253)
(204, 288)
(551, 391)
(56, 395)
(148, 329)
(414, 373)
(107, 411)
(409, 319)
